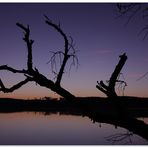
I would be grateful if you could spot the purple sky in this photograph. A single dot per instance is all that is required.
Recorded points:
(99, 36)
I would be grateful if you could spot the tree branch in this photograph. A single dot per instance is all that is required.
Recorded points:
(5, 67)
(130, 10)
(67, 46)
(110, 89)
(119, 66)
(14, 87)
(103, 85)
(29, 43)
(33, 74)
(58, 29)
(101, 89)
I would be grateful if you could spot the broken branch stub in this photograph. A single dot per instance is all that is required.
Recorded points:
(109, 89)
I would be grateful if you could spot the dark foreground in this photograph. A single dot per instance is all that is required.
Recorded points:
(121, 111)
(130, 106)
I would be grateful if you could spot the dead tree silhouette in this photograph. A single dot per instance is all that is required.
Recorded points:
(33, 74)
(131, 10)
(109, 89)
(128, 10)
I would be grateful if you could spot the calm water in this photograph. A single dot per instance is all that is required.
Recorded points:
(36, 128)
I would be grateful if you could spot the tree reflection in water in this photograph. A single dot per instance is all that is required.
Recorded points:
(102, 111)
(124, 138)
(133, 125)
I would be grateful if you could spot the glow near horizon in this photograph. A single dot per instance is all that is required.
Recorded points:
(99, 37)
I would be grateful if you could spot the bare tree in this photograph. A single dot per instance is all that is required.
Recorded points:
(33, 74)
(109, 89)
(131, 10)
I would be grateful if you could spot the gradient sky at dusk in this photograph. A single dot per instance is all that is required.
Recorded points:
(100, 38)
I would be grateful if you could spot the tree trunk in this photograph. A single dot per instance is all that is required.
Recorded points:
(32, 74)
(43, 81)
(60, 74)
(110, 89)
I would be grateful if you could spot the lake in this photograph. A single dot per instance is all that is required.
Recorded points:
(37, 128)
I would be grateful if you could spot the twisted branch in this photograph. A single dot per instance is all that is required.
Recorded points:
(33, 74)
(66, 54)
(14, 87)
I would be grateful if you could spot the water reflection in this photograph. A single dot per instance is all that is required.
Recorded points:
(145, 120)
(56, 128)
(126, 138)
